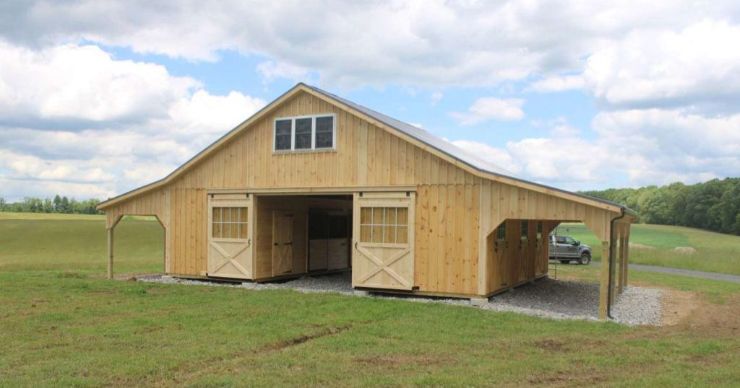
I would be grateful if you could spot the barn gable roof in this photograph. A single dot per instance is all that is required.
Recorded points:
(415, 135)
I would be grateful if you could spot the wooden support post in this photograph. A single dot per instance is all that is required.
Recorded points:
(484, 226)
(625, 270)
(620, 259)
(618, 263)
(604, 280)
(110, 252)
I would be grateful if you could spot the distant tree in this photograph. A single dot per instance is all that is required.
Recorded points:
(65, 208)
(57, 203)
(2, 204)
(713, 205)
(48, 206)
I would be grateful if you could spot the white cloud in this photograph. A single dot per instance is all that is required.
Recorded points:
(558, 83)
(87, 119)
(639, 147)
(661, 146)
(195, 115)
(697, 67)
(271, 70)
(491, 108)
(82, 84)
(495, 156)
(429, 43)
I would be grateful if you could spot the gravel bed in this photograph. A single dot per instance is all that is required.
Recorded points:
(337, 283)
(547, 298)
(562, 299)
(639, 306)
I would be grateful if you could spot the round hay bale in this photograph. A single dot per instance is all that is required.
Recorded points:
(685, 250)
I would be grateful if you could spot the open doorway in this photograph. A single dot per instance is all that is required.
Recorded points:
(301, 234)
(139, 246)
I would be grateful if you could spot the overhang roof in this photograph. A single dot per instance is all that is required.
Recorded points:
(437, 145)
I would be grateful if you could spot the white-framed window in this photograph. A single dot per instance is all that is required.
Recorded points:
(305, 133)
(229, 222)
(384, 225)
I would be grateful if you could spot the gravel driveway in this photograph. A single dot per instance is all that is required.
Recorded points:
(548, 298)
(680, 271)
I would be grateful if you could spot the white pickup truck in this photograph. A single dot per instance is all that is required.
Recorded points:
(566, 248)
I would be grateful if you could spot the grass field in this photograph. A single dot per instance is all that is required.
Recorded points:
(715, 252)
(61, 323)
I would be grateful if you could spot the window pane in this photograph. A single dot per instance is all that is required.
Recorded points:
(226, 214)
(403, 216)
(366, 215)
(324, 124)
(324, 140)
(282, 127)
(243, 230)
(282, 134)
(377, 234)
(303, 134)
(378, 215)
(539, 231)
(389, 234)
(282, 142)
(524, 229)
(242, 214)
(365, 233)
(402, 235)
(216, 230)
(501, 231)
(324, 132)
(390, 216)
(226, 230)
(216, 214)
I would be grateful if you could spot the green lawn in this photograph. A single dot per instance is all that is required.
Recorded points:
(61, 323)
(715, 252)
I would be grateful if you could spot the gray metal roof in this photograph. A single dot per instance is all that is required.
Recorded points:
(423, 136)
(447, 147)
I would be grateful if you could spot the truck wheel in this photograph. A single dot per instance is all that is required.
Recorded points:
(585, 259)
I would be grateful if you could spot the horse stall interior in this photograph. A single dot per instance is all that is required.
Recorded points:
(518, 252)
(298, 234)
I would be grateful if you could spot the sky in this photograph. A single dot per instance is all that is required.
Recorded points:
(100, 97)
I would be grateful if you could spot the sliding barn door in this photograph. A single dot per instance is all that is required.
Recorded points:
(383, 246)
(230, 235)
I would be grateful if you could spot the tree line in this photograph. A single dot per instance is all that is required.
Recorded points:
(712, 205)
(58, 204)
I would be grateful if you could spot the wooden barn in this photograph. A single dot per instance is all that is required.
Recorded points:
(315, 183)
